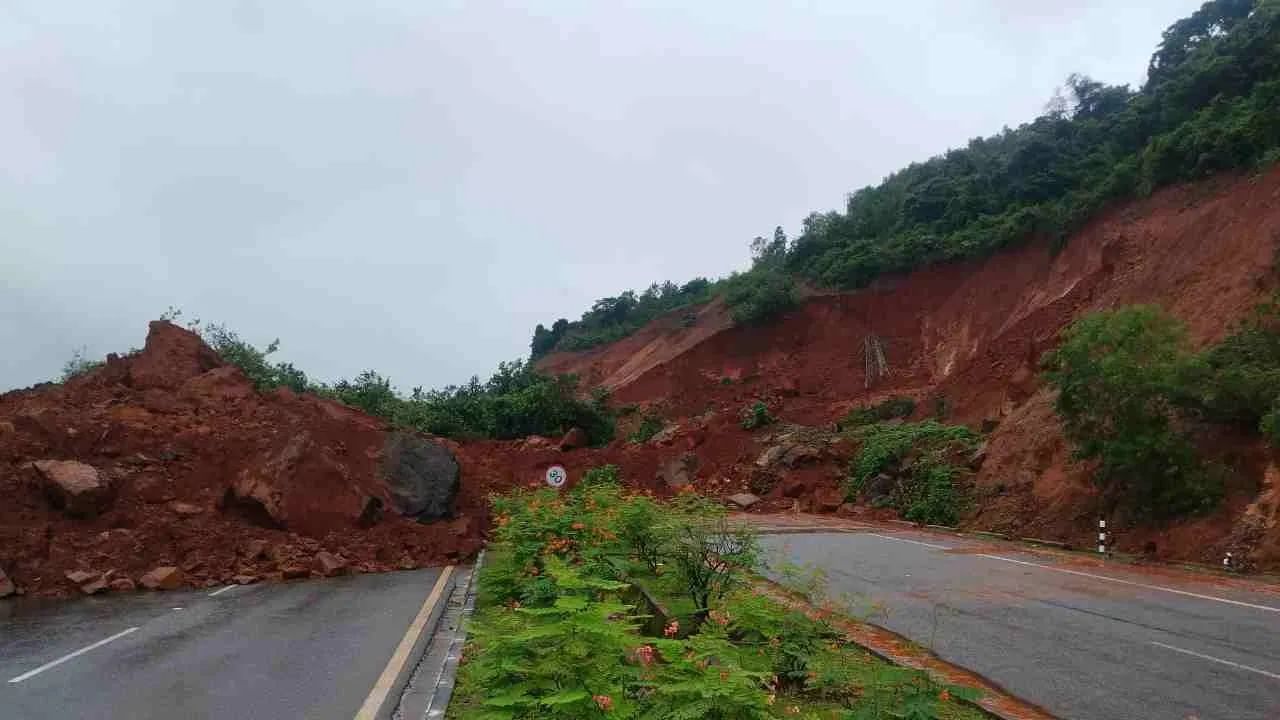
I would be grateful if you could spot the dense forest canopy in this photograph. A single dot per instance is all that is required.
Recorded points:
(1211, 102)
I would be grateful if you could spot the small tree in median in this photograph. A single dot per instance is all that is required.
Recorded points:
(710, 555)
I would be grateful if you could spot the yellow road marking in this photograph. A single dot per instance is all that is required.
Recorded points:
(377, 696)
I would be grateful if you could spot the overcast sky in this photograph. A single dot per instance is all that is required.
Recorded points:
(412, 185)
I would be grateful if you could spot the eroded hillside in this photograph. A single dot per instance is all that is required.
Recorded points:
(966, 339)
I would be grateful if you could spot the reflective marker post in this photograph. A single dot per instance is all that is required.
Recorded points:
(1102, 536)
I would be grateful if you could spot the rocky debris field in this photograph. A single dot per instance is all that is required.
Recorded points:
(166, 468)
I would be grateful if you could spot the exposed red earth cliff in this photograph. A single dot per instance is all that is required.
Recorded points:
(972, 334)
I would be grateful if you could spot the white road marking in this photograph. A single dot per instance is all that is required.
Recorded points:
(69, 656)
(1147, 586)
(1217, 660)
(905, 540)
(218, 592)
(382, 688)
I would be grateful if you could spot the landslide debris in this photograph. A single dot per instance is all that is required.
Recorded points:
(166, 468)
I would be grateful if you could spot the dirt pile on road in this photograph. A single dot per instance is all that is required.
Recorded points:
(965, 340)
(168, 468)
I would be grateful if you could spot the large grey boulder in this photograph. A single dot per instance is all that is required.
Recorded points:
(422, 476)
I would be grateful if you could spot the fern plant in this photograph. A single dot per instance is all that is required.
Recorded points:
(702, 678)
(564, 661)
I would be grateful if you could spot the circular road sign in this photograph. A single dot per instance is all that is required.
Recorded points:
(556, 476)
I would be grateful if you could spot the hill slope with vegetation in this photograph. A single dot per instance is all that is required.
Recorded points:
(1209, 104)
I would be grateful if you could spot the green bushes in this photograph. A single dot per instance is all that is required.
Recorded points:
(759, 294)
(641, 529)
(1129, 388)
(756, 416)
(613, 318)
(1238, 380)
(650, 424)
(553, 636)
(515, 402)
(704, 678)
(565, 659)
(264, 374)
(1117, 374)
(710, 555)
(78, 365)
(927, 492)
(888, 409)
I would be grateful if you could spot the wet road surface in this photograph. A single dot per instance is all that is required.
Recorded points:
(310, 649)
(1085, 640)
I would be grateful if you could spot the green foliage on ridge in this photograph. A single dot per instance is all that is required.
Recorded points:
(78, 365)
(1208, 105)
(614, 318)
(515, 402)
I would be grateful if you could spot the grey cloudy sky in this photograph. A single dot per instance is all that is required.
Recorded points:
(411, 186)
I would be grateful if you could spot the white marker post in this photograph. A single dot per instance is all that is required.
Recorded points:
(557, 476)
(1226, 562)
(1102, 536)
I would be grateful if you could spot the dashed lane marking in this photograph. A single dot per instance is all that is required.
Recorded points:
(1107, 578)
(1211, 658)
(69, 656)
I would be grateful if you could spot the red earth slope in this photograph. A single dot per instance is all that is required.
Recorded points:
(971, 334)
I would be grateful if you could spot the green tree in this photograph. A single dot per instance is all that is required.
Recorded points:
(254, 362)
(1116, 374)
(1238, 380)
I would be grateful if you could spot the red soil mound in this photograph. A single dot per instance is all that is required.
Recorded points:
(200, 471)
(967, 338)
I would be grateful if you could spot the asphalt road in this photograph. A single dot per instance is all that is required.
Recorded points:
(312, 649)
(1056, 631)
